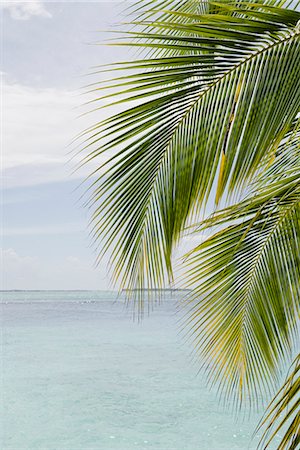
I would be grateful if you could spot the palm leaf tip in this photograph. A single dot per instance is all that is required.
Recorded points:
(283, 414)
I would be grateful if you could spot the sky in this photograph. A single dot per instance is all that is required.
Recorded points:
(48, 49)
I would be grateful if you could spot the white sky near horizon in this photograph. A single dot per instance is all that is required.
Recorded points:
(47, 53)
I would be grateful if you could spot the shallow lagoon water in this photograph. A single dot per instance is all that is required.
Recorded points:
(79, 374)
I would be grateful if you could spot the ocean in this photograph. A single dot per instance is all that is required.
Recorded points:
(77, 373)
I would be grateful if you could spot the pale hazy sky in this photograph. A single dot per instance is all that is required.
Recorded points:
(48, 50)
(46, 53)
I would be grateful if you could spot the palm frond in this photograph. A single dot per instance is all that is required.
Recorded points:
(212, 111)
(244, 311)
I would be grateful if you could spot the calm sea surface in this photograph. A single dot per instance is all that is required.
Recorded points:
(78, 374)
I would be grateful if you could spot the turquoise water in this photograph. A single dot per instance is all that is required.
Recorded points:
(79, 374)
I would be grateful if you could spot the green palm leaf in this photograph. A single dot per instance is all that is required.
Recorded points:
(213, 111)
(165, 9)
(244, 311)
(284, 413)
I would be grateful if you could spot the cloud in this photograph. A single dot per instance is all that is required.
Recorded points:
(16, 269)
(24, 10)
(10, 255)
(38, 127)
(31, 272)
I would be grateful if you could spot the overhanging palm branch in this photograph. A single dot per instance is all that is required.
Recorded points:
(215, 110)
